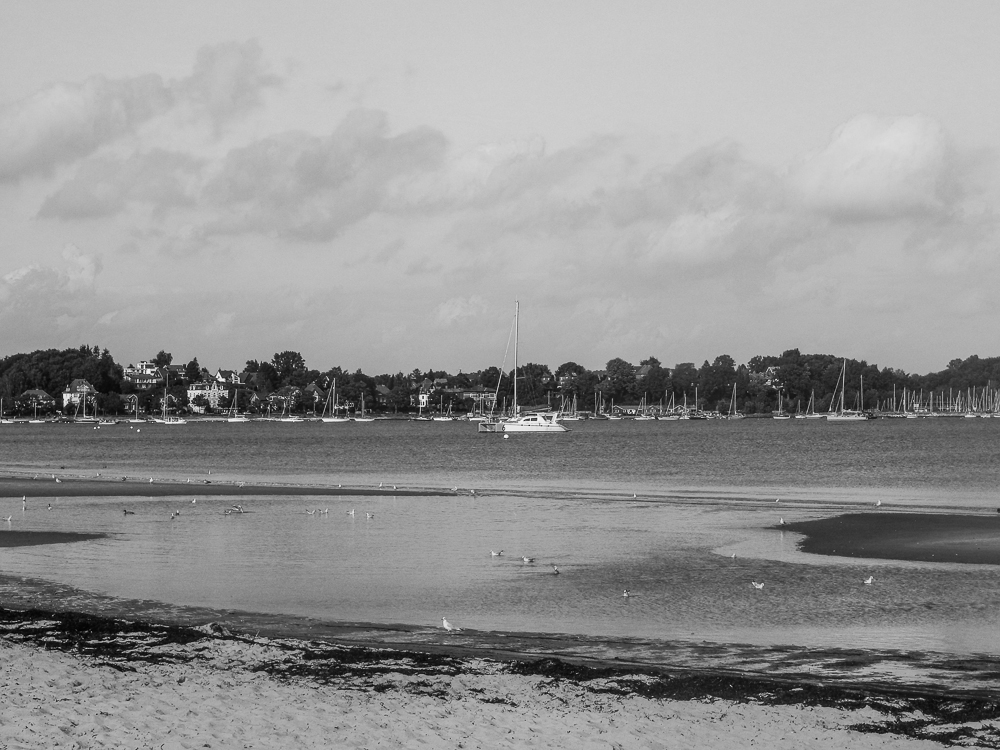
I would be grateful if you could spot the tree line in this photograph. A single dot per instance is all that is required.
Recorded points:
(760, 385)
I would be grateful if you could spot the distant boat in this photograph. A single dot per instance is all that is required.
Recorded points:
(333, 405)
(810, 412)
(781, 408)
(165, 419)
(530, 422)
(847, 415)
(363, 418)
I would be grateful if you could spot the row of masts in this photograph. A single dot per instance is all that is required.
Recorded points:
(973, 401)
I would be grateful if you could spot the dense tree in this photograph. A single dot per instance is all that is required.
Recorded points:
(162, 358)
(621, 381)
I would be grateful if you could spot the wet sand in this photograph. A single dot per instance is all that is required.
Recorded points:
(72, 680)
(133, 486)
(922, 537)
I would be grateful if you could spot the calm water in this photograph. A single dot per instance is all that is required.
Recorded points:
(703, 490)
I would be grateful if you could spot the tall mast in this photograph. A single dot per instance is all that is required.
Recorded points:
(516, 308)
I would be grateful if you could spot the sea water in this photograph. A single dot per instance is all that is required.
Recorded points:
(658, 508)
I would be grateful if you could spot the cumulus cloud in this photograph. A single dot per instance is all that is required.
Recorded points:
(308, 187)
(459, 309)
(879, 167)
(228, 80)
(105, 186)
(66, 122)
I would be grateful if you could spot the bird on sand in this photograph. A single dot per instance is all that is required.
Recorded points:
(50, 506)
(756, 585)
(781, 521)
(528, 559)
(194, 502)
(448, 626)
(494, 553)
(311, 512)
(555, 570)
(127, 512)
(58, 480)
(626, 593)
(7, 519)
(878, 503)
(150, 480)
(869, 580)
(733, 555)
(370, 516)
(350, 512)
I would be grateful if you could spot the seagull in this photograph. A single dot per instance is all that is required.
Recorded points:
(454, 489)
(150, 480)
(868, 581)
(350, 512)
(528, 559)
(472, 492)
(555, 570)
(58, 480)
(448, 626)
(756, 585)
(324, 511)
(781, 521)
(633, 496)
(777, 500)
(878, 503)
(194, 502)
(733, 555)
(7, 519)
(394, 486)
(380, 485)
(311, 512)
(494, 553)
(50, 506)
(626, 593)
(127, 512)
(370, 516)
(189, 480)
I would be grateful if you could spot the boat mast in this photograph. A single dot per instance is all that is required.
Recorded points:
(516, 309)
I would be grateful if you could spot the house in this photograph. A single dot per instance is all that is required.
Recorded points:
(36, 396)
(212, 390)
(143, 375)
(228, 376)
(76, 392)
(383, 395)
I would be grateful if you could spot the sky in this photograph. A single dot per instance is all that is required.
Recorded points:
(375, 184)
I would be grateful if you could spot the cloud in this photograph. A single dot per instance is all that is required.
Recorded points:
(880, 168)
(228, 80)
(312, 188)
(66, 122)
(105, 186)
(459, 309)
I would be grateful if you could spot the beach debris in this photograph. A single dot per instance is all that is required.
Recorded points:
(237, 508)
(528, 559)
(869, 580)
(127, 512)
(213, 628)
(494, 553)
(449, 627)
(626, 593)
(756, 585)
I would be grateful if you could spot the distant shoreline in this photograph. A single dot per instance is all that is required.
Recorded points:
(912, 537)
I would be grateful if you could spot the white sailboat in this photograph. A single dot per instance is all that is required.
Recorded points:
(363, 418)
(531, 421)
(333, 405)
(810, 409)
(781, 407)
(234, 409)
(167, 419)
(846, 415)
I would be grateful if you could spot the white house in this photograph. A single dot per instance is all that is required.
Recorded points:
(212, 390)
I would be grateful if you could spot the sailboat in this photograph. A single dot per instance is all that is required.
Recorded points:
(363, 418)
(528, 422)
(810, 412)
(732, 413)
(442, 416)
(166, 419)
(234, 413)
(846, 415)
(781, 408)
(333, 406)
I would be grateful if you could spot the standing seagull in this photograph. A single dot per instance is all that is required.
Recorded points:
(626, 593)
(350, 512)
(7, 519)
(449, 627)
(878, 503)
(555, 570)
(868, 581)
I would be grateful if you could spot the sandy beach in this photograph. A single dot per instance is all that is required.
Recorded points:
(80, 681)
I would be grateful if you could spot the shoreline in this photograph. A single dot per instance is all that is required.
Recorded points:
(538, 699)
(911, 537)
(134, 486)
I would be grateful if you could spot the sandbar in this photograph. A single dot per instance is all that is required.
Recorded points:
(917, 537)
(133, 486)
(31, 538)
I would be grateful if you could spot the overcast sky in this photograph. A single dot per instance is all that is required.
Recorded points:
(373, 184)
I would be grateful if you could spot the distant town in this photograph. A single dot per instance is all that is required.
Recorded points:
(87, 382)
